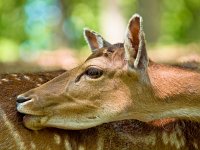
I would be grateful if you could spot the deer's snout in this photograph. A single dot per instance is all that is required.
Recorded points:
(21, 99)
(24, 103)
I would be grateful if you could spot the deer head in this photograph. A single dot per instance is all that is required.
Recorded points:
(107, 87)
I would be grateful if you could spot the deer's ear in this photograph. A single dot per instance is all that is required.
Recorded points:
(134, 44)
(94, 40)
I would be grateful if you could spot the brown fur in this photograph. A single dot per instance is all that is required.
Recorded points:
(130, 134)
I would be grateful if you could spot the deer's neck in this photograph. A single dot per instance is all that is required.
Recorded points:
(177, 91)
(170, 82)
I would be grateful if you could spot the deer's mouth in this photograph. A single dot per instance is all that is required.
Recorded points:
(35, 118)
(34, 122)
(27, 108)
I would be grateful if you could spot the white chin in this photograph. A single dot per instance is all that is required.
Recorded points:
(72, 124)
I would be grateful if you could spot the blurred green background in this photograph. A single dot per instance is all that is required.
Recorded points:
(32, 30)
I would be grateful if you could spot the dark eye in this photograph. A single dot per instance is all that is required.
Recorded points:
(94, 73)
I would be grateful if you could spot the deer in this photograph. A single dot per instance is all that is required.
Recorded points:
(126, 134)
(117, 99)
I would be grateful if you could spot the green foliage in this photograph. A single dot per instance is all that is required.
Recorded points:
(35, 25)
(41, 19)
(77, 15)
(180, 21)
(11, 28)
(128, 7)
(8, 48)
(12, 20)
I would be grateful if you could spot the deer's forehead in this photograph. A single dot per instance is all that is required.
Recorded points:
(101, 61)
(107, 57)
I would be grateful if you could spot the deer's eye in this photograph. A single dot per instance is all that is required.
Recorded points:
(94, 73)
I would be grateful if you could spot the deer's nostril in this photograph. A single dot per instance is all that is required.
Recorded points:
(21, 99)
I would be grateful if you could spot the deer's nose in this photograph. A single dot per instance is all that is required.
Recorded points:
(21, 99)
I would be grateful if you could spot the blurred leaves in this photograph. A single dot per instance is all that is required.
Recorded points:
(12, 20)
(77, 15)
(180, 21)
(35, 25)
(9, 50)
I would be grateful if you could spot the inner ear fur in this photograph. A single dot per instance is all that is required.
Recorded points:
(95, 40)
(134, 44)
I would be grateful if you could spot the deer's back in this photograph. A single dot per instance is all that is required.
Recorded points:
(13, 134)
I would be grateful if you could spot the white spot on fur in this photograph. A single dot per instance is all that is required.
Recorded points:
(80, 147)
(15, 134)
(174, 138)
(27, 77)
(100, 143)
(39, 84)
(40, 79)
(165, 138)
(195, 145)
(18, 79)
(4, 80)
(57, 139)
(33, 146)
(14, 75)
(67, 144)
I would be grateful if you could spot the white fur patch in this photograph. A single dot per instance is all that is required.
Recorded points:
(100, 143)
(67, 144)
(4, 80)
(81, 147)
(13, 132)
(38, 84)
(40, 79)
(57, 139)
(33, 146)
(17, 79)
(14, 75)
(27, 77)
(195, 145)
(174, 138)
